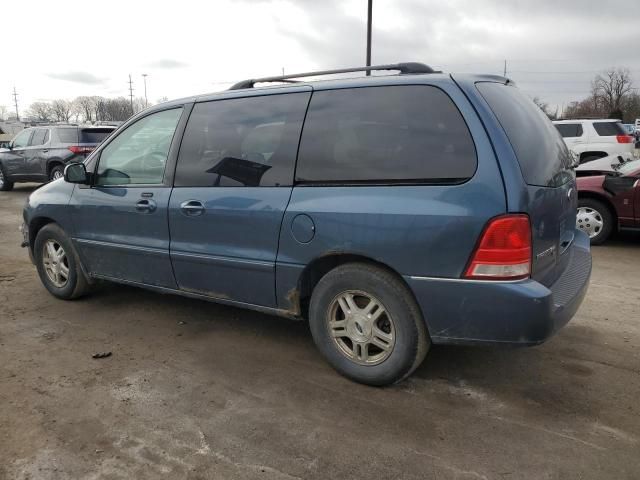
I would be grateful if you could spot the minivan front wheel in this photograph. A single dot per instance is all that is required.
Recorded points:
(367, 325)
(58, 264)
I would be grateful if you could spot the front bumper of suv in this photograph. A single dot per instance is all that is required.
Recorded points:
(520, 313)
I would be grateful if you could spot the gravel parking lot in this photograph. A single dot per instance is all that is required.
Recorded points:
(197, 390)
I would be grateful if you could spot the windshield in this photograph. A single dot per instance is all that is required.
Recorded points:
(629, 167)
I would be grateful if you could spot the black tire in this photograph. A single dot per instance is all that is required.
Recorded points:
(56, 172)
(600, 211)
(411, 339)
(5, 185)
(76, 283)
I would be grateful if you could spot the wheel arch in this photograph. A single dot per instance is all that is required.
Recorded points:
(52, 163)
(35, 225)
(320, 266)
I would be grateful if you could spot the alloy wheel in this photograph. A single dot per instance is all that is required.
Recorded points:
(55, 262)
(361, 327)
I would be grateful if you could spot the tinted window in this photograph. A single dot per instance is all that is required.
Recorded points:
(244, 141)
(22, 139)
(398, 133)
(40, 137)
(94, 135)
(569, 129)
(139, 153)
(609, 129)
(67, 135)
(542, 154)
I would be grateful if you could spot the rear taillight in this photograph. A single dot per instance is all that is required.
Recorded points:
(504, 250)
(78, 150)
(624, 138)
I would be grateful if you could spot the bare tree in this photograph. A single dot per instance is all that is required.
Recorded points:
(544, 106)
(61, 110)
(41, 111)
(86, 107)
(611, 87)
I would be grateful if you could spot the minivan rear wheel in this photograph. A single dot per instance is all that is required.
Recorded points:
(595, 219)
(58, 263)
(366, 323)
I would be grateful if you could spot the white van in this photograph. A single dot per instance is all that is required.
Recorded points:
(593, 139)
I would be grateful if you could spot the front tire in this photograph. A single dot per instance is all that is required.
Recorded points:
(595, 219)
(365, 322)
(58, 264)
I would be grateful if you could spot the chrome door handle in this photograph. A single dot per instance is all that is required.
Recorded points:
(192, 208)
(145, 205)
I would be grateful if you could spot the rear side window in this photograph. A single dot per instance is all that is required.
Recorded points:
(68, 135)
(409, 133)
(94, 135)
(248, 141)
(609, 129)
(569, 130)
(542, 154)
(40, 137)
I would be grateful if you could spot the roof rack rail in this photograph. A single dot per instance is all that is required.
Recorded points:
(407, 67)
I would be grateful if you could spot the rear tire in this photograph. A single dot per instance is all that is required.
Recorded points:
(595, 219)
(58, 264)
(56, 173)
(5, 185)
(366, 323)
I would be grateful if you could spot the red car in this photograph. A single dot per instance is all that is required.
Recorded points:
(609, 201)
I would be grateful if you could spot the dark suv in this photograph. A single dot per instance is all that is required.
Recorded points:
(392, 212)
(39, 154)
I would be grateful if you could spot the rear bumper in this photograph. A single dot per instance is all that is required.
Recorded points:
(519, 313)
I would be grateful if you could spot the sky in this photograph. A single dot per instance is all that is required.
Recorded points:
(66, 48)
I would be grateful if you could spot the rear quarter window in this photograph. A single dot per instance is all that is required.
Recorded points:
(94, 135)
(609, 129)
(67, 135)
(541, 152)
(407, 133)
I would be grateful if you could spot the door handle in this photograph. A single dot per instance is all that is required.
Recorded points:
(46, 150)
(192, 208)
(145, 205)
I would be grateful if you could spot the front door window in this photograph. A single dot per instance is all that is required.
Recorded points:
(139, 154)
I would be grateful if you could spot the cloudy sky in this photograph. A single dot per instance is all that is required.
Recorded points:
(66, 48)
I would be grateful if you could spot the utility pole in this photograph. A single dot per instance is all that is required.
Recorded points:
(505, 69)
(15, 102)
(146, 103)
(369, 14)
(131, 94)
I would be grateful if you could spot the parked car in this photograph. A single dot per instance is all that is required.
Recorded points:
(609, 202)
(411, 209)
(594, 139)
(39, 154)
(601, 165)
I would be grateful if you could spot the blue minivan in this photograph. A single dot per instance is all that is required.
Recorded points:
(392, 211)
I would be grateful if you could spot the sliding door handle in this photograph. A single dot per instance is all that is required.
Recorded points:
(192, 208)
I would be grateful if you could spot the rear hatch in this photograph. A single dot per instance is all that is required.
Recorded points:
(546, 166)
(83, 140)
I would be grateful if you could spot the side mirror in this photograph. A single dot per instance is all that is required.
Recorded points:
(76, 173)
